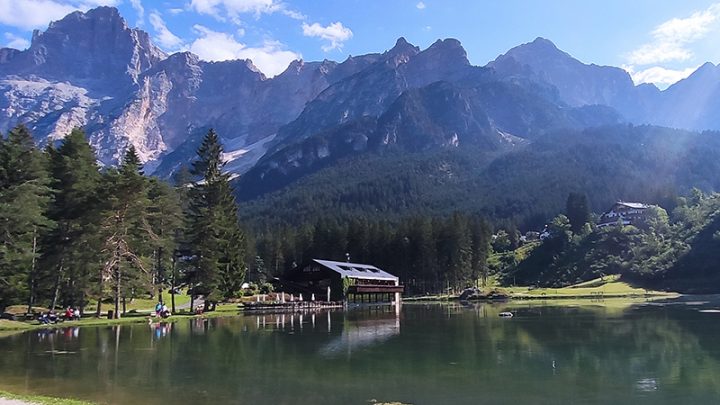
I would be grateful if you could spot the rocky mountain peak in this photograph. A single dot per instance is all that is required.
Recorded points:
(577, 83)
(450, 50)
(94, 45)
(707, 70)
(538, 51)
(401, 52)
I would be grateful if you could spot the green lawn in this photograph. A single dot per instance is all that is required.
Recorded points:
(6, 324)
(222, 310)
(600, 288)
(141, 304)
(609, 286)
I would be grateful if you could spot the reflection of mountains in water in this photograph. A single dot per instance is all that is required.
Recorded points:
(363, 328)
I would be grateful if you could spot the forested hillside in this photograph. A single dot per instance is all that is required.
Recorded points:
(678, 252)
(521, 185)
(74, 233)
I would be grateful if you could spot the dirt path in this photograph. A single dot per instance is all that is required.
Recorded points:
(199, 301)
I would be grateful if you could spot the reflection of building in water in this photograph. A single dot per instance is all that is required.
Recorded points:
(295, 321)
(338, 281)
(364, 329)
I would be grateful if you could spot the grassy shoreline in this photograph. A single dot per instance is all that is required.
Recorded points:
(598, 289)
(610, 287)
(18, 326)
(41, 400)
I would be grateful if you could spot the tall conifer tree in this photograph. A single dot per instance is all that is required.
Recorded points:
(71, 254)
(124, 230)
(215, 239)
(24, 199)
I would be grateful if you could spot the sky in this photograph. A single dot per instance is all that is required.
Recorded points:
(656, 41)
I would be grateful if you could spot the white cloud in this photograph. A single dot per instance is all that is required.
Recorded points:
(175, 11)
(335, 33)
(658, 75)
(140, 10)
(232, 9)
(295, 15)
(271, 58)
(671, 38)
(420, 6)
(88, 4)
(672, 46)
(163, 35)
(16, 42)
(30, 14)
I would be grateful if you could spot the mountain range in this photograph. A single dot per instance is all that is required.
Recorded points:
(92, 70)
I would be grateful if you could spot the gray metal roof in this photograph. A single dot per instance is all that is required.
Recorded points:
(633, 205)
(356, 270)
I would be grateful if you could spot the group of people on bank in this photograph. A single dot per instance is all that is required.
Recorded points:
(161, 310)
(50, 317)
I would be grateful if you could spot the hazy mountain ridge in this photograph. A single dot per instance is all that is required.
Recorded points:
(92, 70)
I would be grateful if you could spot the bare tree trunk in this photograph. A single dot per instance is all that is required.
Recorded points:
(159, 274)
(56, 292)
(101, 284)
(116, 315)
(192, 302)
(172, 287)
(31, 277)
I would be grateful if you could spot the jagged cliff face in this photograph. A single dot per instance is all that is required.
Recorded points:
(91, 70)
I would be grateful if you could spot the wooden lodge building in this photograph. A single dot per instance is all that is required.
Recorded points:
(343, 281)
(630, 213)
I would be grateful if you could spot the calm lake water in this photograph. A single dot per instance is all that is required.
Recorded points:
(647, 353)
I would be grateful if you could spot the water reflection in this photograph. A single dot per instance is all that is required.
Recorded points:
(161, 330)
(363, 328)
(54, 334)
(427, 353)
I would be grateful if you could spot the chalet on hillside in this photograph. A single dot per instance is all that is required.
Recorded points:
(630, 213)
(343, 281)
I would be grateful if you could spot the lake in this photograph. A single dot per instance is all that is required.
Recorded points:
(593, 352)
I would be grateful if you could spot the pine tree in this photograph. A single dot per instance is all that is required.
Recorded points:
(577, 211)
(480, 235)
(215, 239)
(72, 249)
(165, 220)
(24, 199)
(125, 231)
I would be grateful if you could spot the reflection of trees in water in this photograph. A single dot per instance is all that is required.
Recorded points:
(647, 349)
(427, 352)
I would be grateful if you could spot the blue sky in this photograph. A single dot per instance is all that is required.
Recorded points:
(657, 41)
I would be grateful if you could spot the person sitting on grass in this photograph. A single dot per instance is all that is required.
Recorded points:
(158, 309)
(76, 314)
(69, 314)
(44, 319)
